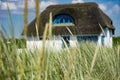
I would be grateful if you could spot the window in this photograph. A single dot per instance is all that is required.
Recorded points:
(82, 39)
(63, 19)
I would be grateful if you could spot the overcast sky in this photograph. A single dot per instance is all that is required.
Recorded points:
(110, 7)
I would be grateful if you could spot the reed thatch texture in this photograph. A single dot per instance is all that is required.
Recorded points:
(87, 17)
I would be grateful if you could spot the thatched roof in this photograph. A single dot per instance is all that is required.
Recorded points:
(87, 18)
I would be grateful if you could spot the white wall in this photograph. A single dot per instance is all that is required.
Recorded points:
(99, 40)
(73, 41)
(49, 44)
(56, 43)
(107, 39)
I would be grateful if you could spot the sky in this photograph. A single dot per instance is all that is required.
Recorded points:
(110, 7)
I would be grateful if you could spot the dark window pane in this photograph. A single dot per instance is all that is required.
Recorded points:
(87, 38)
(62, 19)
(66, 40)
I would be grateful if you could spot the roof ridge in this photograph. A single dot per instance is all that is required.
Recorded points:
(87, 3)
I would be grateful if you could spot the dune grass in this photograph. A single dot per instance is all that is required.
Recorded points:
(25, 18)
(84, 62)
(74, 64)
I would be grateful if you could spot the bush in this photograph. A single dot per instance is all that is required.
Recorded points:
(116, 41)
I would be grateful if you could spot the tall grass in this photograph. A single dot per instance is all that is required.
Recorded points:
(84, 62)
(11, 22)
(72, 65)
(37, 17)
(25, 18)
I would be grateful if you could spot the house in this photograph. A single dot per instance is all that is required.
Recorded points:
(86, 21)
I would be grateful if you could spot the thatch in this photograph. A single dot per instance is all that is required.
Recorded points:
(87, 17)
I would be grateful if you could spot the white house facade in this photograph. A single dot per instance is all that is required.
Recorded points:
(57, 43)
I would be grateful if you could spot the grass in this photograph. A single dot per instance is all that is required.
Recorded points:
(116, 41)
(84, 62)
(25, 18)
(74, 64)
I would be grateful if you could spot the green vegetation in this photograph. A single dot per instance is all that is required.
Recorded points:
(20, 43)
(85, 62)
(116, 41)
